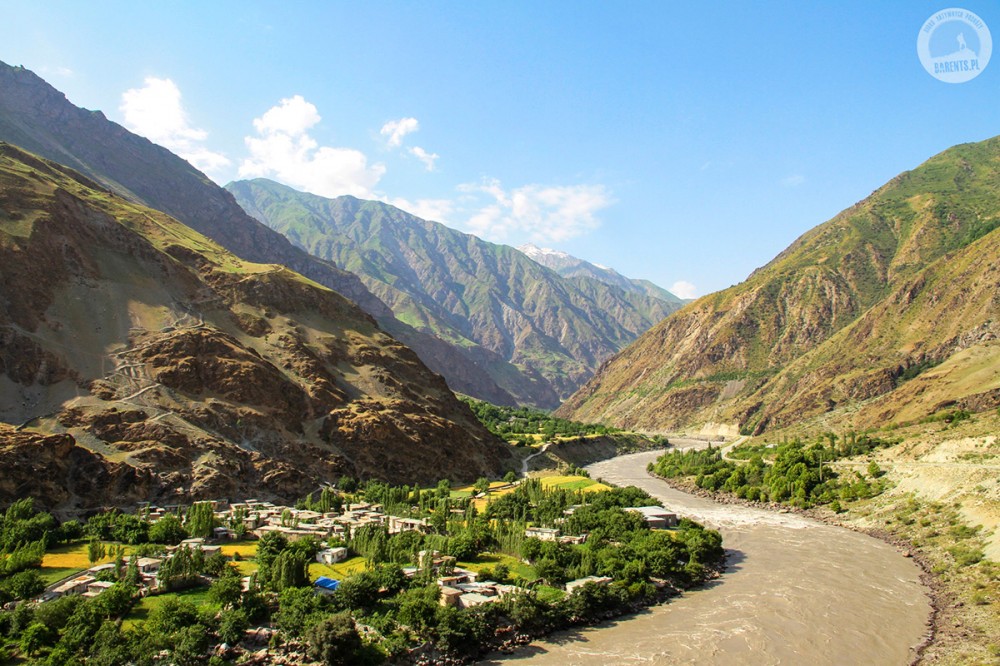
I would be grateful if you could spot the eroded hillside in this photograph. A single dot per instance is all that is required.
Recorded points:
(170, 360)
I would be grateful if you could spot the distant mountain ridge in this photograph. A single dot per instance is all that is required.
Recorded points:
(569, 266)
(166, 366)
(552, 331)
(888, 312)
(39, 118)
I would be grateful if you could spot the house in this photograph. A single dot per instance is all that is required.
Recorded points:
(542, 533)
(573, 539)
(76, 585)
(580, 582)
(450, 596)
(223, 534)
(657, 518)
(100, 568)
(397, 524)
(148, 565)
(331, 555)
(96, 588)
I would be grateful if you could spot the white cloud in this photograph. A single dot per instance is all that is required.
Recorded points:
(397, 129)
(793, 181)
(436, 210)
(427, 158)
(292, 116)
(285, 151)
(155, 111)
(542, 213)
(683, 289)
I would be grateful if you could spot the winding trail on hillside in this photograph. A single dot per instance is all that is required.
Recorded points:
(795, 591)
(524, 463)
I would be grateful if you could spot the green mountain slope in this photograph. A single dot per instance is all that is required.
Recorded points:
(187, 372)
(474, 294)
(39, 118)
(845, 319)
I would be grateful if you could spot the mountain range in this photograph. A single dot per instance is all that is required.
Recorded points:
(478, 357)
(538, 334)
(39, 118)
(887, 313)
(569, 266)
(138, 351)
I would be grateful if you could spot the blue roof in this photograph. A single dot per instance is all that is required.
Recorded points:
(327, 583)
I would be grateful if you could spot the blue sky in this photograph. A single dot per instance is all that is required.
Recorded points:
(682, 143)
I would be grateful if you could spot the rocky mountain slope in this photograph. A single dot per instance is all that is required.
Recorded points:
(888, 312)
(143, 356)
(486, 298)
(39, 118)
(570, 267)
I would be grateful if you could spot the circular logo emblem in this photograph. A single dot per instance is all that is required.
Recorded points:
(954, 45)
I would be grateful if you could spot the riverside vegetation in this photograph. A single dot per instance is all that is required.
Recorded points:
(377, 613)
(794, 472)
(857, 489)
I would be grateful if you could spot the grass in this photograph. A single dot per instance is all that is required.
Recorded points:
(140, 612)
(490, 560)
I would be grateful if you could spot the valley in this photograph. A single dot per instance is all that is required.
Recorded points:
(350, 433)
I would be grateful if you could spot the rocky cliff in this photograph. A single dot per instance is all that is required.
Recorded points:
(154, 359)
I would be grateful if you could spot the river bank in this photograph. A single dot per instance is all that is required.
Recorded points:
(795, 591)
(937, 592)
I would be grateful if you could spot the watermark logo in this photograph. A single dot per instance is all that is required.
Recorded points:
(954, 45)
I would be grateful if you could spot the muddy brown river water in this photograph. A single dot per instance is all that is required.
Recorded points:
(795, 592)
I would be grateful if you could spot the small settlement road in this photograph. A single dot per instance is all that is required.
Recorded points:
(795, 592)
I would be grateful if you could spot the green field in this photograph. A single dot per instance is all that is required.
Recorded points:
(490, 560)
(140, 612)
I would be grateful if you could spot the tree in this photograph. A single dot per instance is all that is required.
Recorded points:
(35, 637)
(233, 625)
(482, 485)
(226, 591)
(190, 645)
(24, 584)
(334, 640)
(95, 550)
(200, 519)
(167, 530)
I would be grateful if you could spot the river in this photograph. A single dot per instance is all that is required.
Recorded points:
(795, 591)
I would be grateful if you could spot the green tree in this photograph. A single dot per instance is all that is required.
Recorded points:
(95, 550)
(167, 530)
(200, 519)
(35, 637)
(233, 625)
(334, 640)
(226, 591)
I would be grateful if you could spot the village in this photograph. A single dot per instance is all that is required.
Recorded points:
(253, 519)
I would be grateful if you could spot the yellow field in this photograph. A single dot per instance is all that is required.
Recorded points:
(245, 548)
(74, 556)
(573, 483)
(337, 571)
